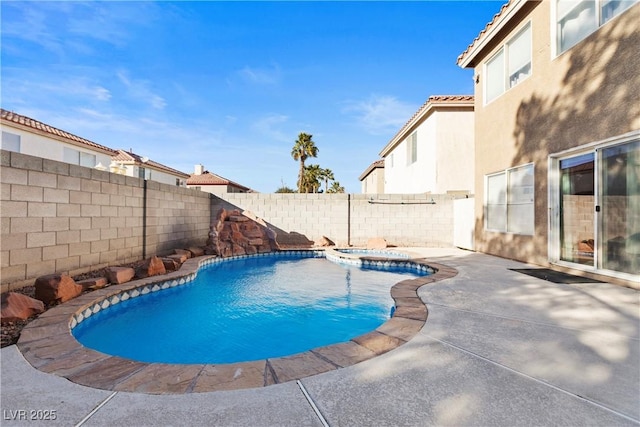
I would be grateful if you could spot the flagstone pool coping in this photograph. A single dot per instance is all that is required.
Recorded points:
(48, 345)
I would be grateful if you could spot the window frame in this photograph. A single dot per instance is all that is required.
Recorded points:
(506, 227)
(11, 142)
(412, 148)
(506, 74)
(599, 20)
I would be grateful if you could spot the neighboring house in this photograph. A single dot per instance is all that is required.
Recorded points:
(433, 152)
(373, 178)
(557, 133)
(25, 135)
(212, 183)
(131, 164)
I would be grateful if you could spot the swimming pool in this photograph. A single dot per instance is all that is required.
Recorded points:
(247, 309)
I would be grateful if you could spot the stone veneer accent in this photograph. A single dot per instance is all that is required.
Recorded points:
(47, 343)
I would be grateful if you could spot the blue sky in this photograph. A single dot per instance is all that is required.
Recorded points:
(231, 84)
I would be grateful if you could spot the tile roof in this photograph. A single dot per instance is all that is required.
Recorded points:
(372, 166)
(132, 158)
(507, 10)
(432, 102)
(208, 178)
(19, 119)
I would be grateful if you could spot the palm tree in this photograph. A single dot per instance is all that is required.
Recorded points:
(312, 178)
(326, 175)
(303, 148)
(336, 188)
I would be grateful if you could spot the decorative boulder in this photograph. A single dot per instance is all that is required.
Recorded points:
(17, 306)
(56, 288)
(151, 267)
(376, 243)
(170, 264)
(93, 283)
(179, 258)
(182, 252)
(117, 275)
(195, 251)
(325, 241)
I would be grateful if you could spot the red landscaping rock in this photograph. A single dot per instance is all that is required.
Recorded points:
(170, 264)
(17, 307)
(376, 243)
(195, 251)
(93, 283)
(119, 275)
(179, 258)
(325, 241)
(56, 288)
(151, 267)
(182, 252)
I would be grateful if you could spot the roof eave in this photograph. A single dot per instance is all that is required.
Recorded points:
(26, 128)
(466, 59)
(423, 114)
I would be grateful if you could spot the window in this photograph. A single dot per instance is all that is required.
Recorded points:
(75, 157)
(519, 61)
(412, 148)
(495, 76)
(10, 142)
(577, 19)
(509, 200)
(70, 155)
(509, 66)
(87, 160)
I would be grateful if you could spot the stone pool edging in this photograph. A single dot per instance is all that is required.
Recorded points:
(48, 345)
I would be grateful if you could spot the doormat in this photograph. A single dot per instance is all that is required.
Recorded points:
(554, 276)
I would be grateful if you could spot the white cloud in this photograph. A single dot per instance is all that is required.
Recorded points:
(271, 126)
(380, 114)
(261, 76)
(139, 89)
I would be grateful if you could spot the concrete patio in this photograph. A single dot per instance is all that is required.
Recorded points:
(499, 348)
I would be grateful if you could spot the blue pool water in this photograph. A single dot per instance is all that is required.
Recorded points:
(246, 309)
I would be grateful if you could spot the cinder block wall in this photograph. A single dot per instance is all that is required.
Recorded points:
(402, 219)
(63, 218)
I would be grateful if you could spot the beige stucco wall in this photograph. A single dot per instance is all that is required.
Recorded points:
(455, 151)
(374, 182)
(444, 156)
(587, 94)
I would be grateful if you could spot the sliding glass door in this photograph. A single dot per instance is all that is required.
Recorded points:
(577, 209)
(620, 200)
(595, 208)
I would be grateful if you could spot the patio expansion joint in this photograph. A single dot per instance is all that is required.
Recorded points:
(539, 381)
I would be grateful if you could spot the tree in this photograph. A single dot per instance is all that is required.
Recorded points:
(311, 179)
(285, 189)
(303, 148)
(326, 175)
(336, 188)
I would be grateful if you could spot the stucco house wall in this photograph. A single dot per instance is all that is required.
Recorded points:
(41, 143)
(454, 159)
(444, 159)
(587, 94)
(372, 179)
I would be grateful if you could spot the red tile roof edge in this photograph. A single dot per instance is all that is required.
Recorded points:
(213, 179)
(128, 156)
(440, 99)
(12, 117)
(487, 27)
(370, 168)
